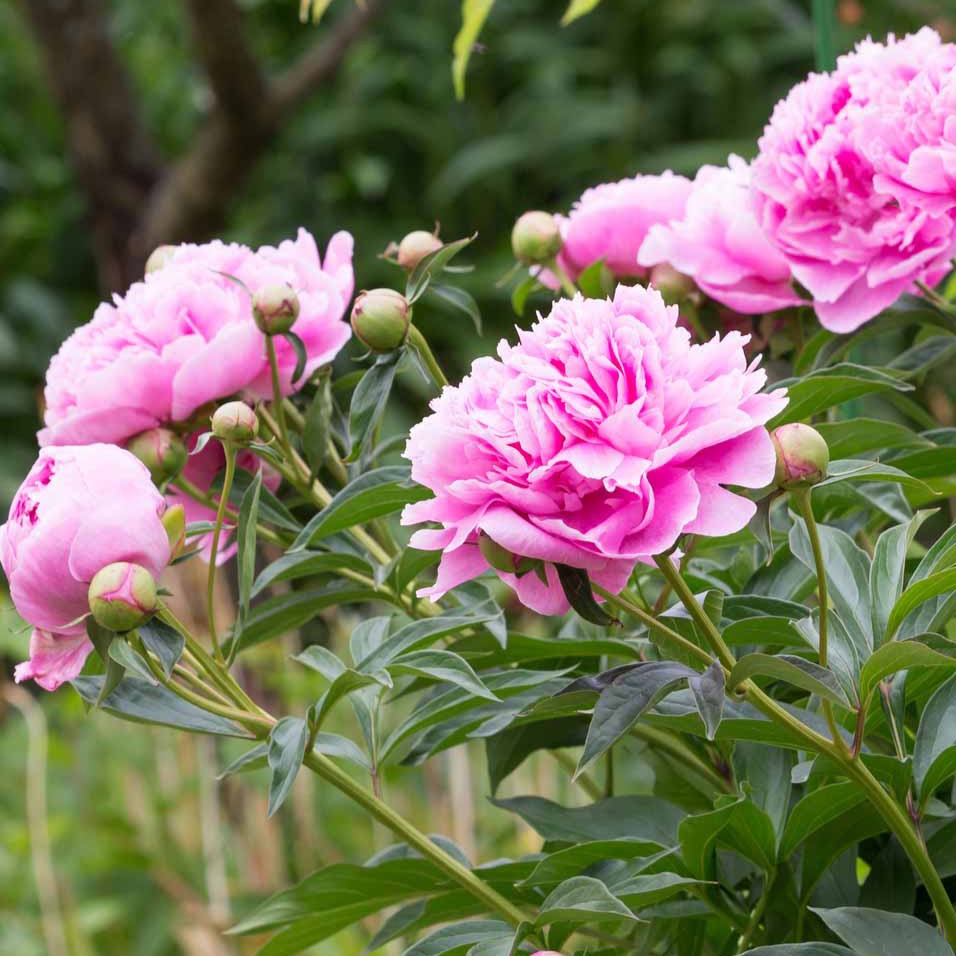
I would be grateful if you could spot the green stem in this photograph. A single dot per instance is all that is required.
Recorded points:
(566, 284)
(623, 604)
(674, 747)
(277, 401)
(409, 834)
(756, 914)
(584, 780)
(823, 24)
(230, 449)
(210, 501)
(418, 342)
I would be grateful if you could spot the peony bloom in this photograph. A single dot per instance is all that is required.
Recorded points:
(595, 442)
(201, 469)
(185, 336)
(855, 182)
(718, 243)
(78, 510)
(610, 222)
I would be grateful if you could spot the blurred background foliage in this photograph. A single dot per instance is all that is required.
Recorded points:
(383, 148)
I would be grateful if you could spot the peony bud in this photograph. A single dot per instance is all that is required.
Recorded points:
(380, 319)
(158, 258)
(122, 596)
(415, 246)
(802, 455)
(674, 286)
(536, 238)
(174, 521)
(275, 308)
(235, 422)
(163, 452)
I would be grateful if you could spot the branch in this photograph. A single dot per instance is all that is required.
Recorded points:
(192, 200)
(110, 150)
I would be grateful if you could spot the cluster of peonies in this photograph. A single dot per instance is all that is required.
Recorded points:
(852, 194)
(595, 442)
(153, 363)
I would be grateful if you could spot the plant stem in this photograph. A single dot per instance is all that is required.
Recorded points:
(823, 26)
(418, 342)
(584, 780)
(756, 914)
(652, 622)
(210, 501)
(674, 747)
(277, 401)
(567, 285)
(230, 449)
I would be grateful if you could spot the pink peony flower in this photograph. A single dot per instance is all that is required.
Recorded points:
(201, 469)
(855, 182)
(719, 245)
(185, 336)
(610, 222)
(595, 442)
(78, 510)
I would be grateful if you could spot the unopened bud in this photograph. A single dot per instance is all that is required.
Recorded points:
(235, 422)
(174, 521)
(498, 557)
(122, 596)
(275, 308)
(415, 246)
(380, 319)
(536, 238)
(674, 286)
(159, 257)
(802, 455)
(163, 452)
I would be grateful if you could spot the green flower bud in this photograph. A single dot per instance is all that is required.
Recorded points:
(536, 238)
(501, 559)
(415, 246)
(380, 319)
(122, 596)
(159, 257)
(235, 422)
(674, 286)
(174, 521)
(802, 456)
(275, 308)
(162, 451)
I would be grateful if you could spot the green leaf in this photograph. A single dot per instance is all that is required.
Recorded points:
(592, 281)
(335, 745)
(942, 582)
(578, 8)
(307, 564)
(934, 754)
(815, 810)
(848, 439)
(577, 589)
(925, 355)
(138, 701)
(506, 751)
(122, 654)
(778, 631)
(582, 899)
(316, 429)
(638, 892)
(457, 940)
(638, 818)
(368, 402)
(301, 354)
(793, 670)
(253, 759)
(708, 690)
(861, 470)
(899, 656)
(431, 265)
(563, 864)
(888, 568)
(473, 16)
(287, 742)
(443, 666)
(165, 642)
(346, 683)
(800, 949)
(246, 541)
(876, 933)
(748, 830)
(372, 495)
(519, 297)
(459, 299)
(828, 387)
(623, 702)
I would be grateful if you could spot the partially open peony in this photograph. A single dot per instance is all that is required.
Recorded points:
(718, 243)
(595, 442)
(855, 182)
(185, 336)
(77, 511)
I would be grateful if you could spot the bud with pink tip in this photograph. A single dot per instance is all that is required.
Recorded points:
(159, 257)
(162, 451)
(235, 422)
(536, 238)
(275, 308)
(122, 596)
(415, 246)
(802, 456)
(380, 319)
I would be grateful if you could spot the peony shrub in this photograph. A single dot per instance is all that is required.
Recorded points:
(718, 592)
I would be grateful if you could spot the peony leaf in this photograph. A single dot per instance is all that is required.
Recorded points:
(287, 742)
(473, 16)
(246, 544)
(877, 933)
(577, 589)
(165, 642)
(578, 8)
